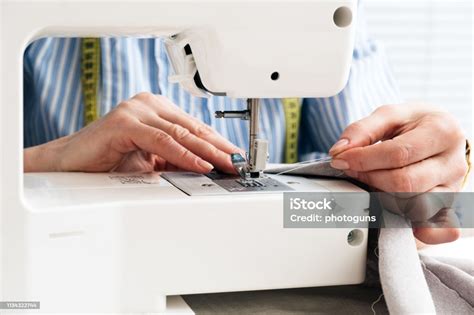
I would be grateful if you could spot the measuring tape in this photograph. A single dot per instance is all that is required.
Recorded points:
(292, 108)
(90, 76)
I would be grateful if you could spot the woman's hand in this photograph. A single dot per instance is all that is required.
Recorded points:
(408, 148)
(144, 133)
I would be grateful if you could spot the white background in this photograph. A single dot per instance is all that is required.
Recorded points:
(429, 45)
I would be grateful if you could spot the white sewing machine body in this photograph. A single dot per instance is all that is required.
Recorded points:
(122, 242)
(91, 243)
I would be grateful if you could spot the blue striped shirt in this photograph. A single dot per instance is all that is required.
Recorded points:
(53, 105)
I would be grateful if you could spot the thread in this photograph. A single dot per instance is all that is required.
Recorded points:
(375, 302)
(305, 163)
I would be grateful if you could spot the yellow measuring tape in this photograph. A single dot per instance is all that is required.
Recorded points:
(90, 76)
(292, 108)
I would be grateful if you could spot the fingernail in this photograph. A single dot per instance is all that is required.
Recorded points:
(339, 145)
(340, 164)
(206, 165)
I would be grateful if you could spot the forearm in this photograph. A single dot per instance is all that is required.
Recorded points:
(43, 158)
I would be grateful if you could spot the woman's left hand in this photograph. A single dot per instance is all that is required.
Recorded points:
(405, 148)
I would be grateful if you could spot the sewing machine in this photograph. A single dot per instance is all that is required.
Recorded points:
(126, 242)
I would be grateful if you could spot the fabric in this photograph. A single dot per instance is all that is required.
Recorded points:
(54, 106)
(420, 284)
(404, 285)
(320, 168)
(451, 283)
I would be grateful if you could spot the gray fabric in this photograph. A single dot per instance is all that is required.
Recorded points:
(403, 282)
(321, 168)
(415, 283)
(452, 288)
(465, 265)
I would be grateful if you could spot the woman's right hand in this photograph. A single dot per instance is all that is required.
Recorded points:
(145, 133)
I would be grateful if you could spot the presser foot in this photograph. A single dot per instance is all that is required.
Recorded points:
(243, 167)
(257, 156)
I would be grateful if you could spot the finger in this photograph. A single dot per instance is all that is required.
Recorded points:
(136, 161)
(408, 148)
(433, 219)
(198, 146)
(160, 143)
(171, 168)
(445, 223)
(415, 178)
(425, 207)
(161, 165)
(379, 125)
(169, 111)
(205, 132)
(443, 227)
(419, 207)
(437, 235)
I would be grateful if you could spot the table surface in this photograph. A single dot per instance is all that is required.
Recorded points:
(353, 299)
